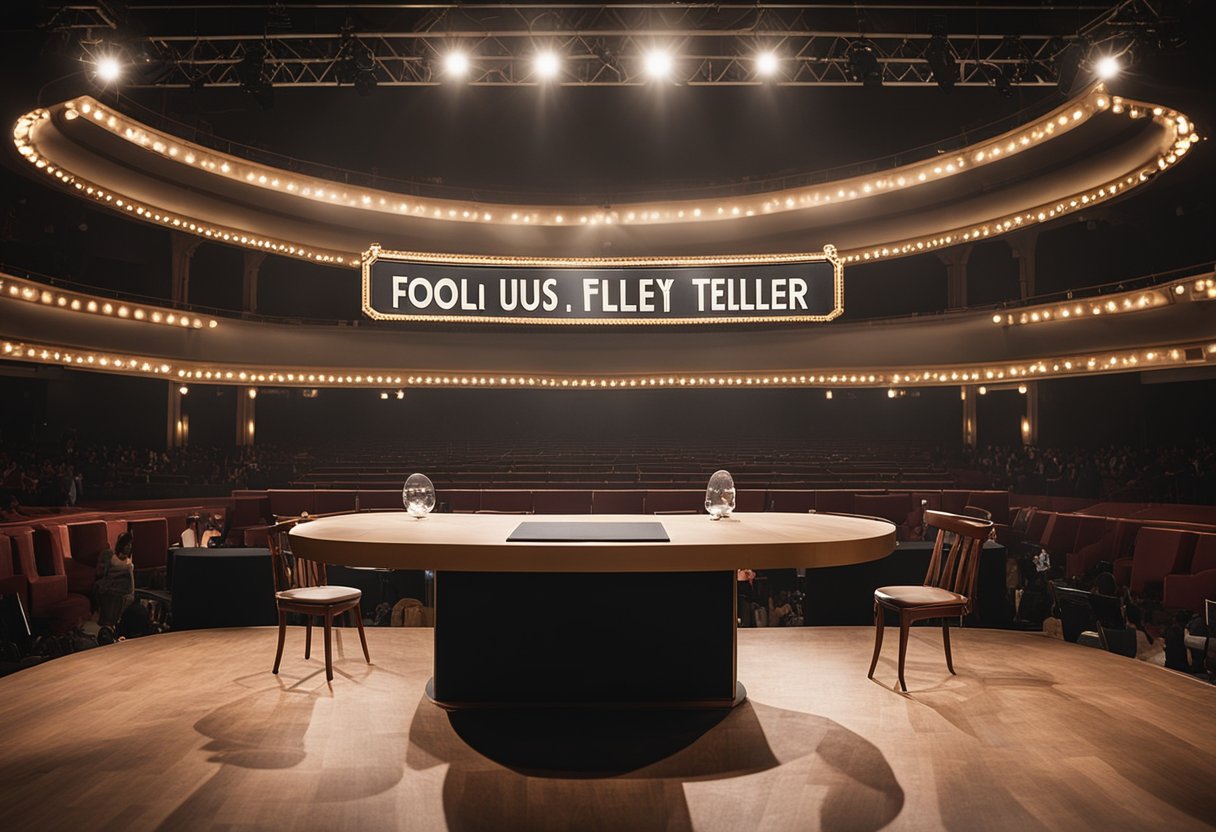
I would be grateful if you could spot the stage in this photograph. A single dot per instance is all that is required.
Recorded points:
(191, 730)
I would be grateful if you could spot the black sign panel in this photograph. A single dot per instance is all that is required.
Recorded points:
(764, 288)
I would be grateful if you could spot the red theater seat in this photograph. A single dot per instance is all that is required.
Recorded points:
(561, 502)
(86, 542)
(150, 543)
(256, 537)
(250, 511)
(995, 503)
(895, 508)
(1060, 537)
(42, 563)
(618, 502)
(1095, 542)
(686, 500)
(12, 580)
(1160, 552)
(1188, 592)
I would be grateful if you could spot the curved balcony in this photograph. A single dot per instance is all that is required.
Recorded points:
(1094, 148)
(1162, 326)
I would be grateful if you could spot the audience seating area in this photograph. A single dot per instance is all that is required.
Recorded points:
(50, 560)
(644, 465)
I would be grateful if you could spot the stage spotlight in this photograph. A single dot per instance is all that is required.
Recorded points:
(107, 69)
(547, 65)
(766, 64)
(658, 63)
(1107, 67)
(456, 64)
(251, 71)
(863, 63)
(942, 62)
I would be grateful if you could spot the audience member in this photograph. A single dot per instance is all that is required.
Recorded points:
(115, 586)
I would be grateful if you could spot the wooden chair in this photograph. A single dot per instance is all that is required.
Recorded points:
(301, 587)
(948, 590)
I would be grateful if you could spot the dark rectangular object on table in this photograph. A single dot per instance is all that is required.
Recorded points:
(539, 532)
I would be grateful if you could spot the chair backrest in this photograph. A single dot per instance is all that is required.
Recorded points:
(1107, 610)
(1075, 610)
(956, 569)
(1204, 557)
(291, 572)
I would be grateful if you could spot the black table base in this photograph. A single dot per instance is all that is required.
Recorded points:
(585, 639)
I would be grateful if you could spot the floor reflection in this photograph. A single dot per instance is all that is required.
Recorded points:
(635, 770)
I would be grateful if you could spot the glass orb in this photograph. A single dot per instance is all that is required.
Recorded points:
(720, 495)
(418, 495)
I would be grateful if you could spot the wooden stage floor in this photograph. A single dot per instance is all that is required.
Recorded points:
(191, 731)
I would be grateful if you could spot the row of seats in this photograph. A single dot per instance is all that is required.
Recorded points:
(52, 565)
(1145, 554)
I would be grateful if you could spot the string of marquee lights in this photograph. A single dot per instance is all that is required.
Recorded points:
(1059, 121)
(46, 295)
(1112, 361)
(1193, 288)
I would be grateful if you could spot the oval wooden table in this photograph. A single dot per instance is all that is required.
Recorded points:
(588, 623)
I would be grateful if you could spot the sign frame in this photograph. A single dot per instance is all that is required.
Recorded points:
(375, 254)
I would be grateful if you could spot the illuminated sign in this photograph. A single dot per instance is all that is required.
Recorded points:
(759, 288)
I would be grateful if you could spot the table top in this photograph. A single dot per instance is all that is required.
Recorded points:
(478, 542)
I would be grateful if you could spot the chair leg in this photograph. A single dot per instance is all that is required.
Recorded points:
(904, 623)
(329, 662)
(879, 623)
(278, 655)
(946, 642)
(362, 638)
(308, 637)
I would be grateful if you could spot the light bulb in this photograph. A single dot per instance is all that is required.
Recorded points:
(456, 64)
(547, 65)
(107, 69)
(658, 63)
(766, 64)
(1107, 67)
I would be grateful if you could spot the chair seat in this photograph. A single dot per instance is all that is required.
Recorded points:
(918, 596)
(320, 594)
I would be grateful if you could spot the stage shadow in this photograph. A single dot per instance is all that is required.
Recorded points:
(635, 770)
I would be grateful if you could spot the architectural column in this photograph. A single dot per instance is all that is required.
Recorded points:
(1024, 246)
(246, 418)
(971, 423)
(177, 426)
(249, 282)
(183, 248)
(956, 275)
(1030, 422)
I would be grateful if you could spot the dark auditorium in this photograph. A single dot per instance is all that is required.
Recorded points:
(533, 415)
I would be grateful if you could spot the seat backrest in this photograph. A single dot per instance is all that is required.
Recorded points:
(1091, 529)
(1076, 613)
(1204, 557)
(1107, 610)
(1060, 536)
(48, 550)
(149, 542)
(87, 541)
(291, 572)
(250, 511)
(956, 569)
(9, 566)
(21, 542)
(995, 502)
(1160, 552)
(1037, 524)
